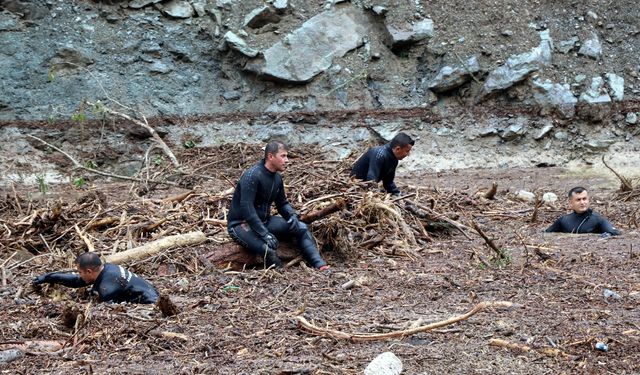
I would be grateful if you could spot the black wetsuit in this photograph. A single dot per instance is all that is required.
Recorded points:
(249, 220)
(114, 284)
(586, 222)
(378, 164)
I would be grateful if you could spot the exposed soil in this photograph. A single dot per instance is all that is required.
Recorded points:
(243, 322)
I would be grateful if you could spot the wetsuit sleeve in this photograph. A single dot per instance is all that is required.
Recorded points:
(248, 190)
(605, 226)
(282, 204)
(70, 280)
(556, 226)
(389, 185)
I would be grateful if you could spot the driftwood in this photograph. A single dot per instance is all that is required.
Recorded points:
(338, 205)
(237, 256)
(492, 192)
(499, 252)
(625, 183)
(155, 247)
(355, 337)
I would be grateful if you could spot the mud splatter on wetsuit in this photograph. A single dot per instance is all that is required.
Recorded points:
(114, 284)
(378, 164)
(586, 222)
(249, 221)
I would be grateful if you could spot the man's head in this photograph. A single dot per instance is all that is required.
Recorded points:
(89, 267)
(275, 156)
(578, 199)
(401, 145)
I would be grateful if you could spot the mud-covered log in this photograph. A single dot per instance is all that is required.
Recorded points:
(235, 255)
(155, 247)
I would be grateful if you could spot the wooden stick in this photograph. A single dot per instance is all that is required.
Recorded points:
(338, 205)
(86, 240)
(457, 225)
(550, 352)
(152, 248)
(492, 192)
(625, 184)
(488, 240)
(80, 166)
(359, 337)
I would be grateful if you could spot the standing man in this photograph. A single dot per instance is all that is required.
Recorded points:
(250, 223)
(379, 163)
(582, 219)
(112, 283)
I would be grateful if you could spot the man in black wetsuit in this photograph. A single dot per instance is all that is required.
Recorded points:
(582, 219)
(250, 222)
(112, 283)
(379, 163)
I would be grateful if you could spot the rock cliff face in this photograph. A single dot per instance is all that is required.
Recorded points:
(508, 83)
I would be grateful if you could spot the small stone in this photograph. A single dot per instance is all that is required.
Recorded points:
(506, 33)
(525, 196)
(379, 10)
(632, 118)
(385, 364)
(549, 197)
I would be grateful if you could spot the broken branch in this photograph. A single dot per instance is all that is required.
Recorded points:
(152, 248)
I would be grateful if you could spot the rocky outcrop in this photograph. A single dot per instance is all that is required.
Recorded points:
(554, 97)
(518, 67)
(310, 50)
(405, 34)
(260, 17)
(450, 77)
(176, 9)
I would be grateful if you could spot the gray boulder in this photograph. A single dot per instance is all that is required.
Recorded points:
(310, 50)
(515, 130)
(591, 47)
(406, 34)
(177, 9)
(555, 97)
(138, 4)
(238, 44)
(596, 101)
(567, 45)
(518, 67)
(616, 86)
(71, 57)
(450, 77)
(260, 17)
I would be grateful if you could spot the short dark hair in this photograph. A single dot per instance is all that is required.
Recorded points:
(576, 190)
(88, 260)
(402, 140)
(273, 147)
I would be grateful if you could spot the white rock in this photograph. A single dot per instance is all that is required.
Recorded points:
(385, 364)
(632, 118)
(549, 197)
(525, 196)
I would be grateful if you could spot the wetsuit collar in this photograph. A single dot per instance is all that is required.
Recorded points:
(589, 211)
(262, 163)
(390, 150)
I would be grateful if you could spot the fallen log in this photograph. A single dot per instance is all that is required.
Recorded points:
(338, 205)
(236, 256)
(152, 248)
(355, 337)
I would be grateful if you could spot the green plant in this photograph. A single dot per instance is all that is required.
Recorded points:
(481, 266)
(51, 75)
(79, 182)
(158, 160)
(42, 184)
(503, 260)
(91, 164)
(189, 144)
(79, 117)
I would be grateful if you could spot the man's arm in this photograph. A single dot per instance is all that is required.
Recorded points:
(282, 204)
(68, 279)
(556, 226)
(606, 227)
(376, 162)
(248, 190)
(390, 185)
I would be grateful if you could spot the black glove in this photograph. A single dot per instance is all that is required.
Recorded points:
(40, 279)
(270, 240)
(294, 223)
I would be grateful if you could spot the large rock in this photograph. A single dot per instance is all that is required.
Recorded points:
(591, 47)
(406, 34)
(595, 101)
(177, 9)
(137, 4)
(555, 97)
(310, 49)
(238, 44)
(616, 86)
(519, 67)
(385, 364)
(450, 77)
(260, 17)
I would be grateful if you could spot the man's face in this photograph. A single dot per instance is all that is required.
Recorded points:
(88, 275)
(279, 160)
(579, 202)
(402, 152)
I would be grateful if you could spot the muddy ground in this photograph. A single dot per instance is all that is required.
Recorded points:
(243, 322)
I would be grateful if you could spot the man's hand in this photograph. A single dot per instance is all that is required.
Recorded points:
(294, 224)
(40, 279)
(271, 241)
